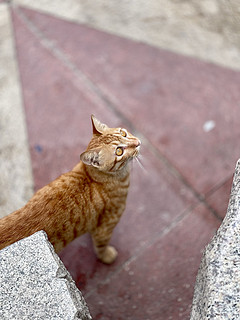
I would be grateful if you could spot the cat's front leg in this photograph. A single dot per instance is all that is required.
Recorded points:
(101, 237)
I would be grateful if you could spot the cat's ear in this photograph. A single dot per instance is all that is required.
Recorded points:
(98, 127)
(91, 158)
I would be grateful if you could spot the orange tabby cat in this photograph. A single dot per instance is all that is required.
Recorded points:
(90, 198)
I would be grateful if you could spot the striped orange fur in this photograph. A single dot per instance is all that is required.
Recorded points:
(90, 198)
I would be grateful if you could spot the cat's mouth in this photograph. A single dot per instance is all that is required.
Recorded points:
(138, 149)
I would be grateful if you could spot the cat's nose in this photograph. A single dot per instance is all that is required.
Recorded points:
(135, 143)
(138, 143)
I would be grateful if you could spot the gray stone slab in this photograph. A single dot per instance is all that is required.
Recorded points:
(217, 289)
(34, 284)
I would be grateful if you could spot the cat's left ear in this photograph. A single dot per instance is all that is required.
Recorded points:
(91, 158)
(98, 127)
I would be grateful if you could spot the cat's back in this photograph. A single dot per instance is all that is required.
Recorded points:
(48, 209)
(66, 208)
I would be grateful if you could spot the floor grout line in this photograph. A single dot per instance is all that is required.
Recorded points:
(218, 186)
(104, 98)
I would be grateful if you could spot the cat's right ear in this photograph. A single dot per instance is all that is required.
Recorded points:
(98, 127)
(91, 158)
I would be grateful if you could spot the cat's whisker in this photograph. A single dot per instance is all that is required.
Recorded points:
(140, 164)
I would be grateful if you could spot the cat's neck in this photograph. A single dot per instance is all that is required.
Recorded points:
(99, 176)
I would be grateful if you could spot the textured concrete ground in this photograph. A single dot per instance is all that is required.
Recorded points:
(62, 62)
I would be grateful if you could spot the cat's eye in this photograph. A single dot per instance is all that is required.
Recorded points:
(123, 133)
(119, 151)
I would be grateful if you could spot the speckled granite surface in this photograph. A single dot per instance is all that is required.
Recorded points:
(34, 284)
(217, 290)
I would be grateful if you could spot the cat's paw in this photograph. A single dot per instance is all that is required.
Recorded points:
(109, 255)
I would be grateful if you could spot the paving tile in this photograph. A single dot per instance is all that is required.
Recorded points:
(158, 284)
(170, 98)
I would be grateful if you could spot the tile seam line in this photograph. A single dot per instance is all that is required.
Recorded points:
(100, 94)
(218, 186)
(187, 212)
(176, 173)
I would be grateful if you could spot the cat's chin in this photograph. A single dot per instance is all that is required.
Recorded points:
(137, 152)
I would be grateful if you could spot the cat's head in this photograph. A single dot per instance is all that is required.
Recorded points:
(110, 149)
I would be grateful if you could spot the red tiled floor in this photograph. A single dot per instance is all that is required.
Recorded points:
(157, 284)
(165, 97)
